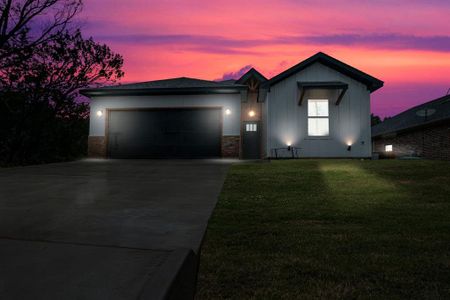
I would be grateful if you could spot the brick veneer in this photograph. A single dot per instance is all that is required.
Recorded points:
(230, 146)
(96, 146)
(429, 142)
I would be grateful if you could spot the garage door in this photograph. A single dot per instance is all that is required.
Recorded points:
(165, 133)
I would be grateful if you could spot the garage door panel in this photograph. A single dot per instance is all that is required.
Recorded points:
(165, 133)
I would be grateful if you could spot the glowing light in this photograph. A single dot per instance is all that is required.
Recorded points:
(349, 143)
(388, 148)
(288, 143)
(228, 111)
(99, 113)
(251, 113)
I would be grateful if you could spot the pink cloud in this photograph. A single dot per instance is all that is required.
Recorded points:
(406, 43)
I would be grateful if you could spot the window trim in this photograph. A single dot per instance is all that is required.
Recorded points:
(318, 117)
(251, 127)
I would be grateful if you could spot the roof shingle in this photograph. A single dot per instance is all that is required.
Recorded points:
(435, 110)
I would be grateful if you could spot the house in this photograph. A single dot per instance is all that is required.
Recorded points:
(317, 108)
(422, 131)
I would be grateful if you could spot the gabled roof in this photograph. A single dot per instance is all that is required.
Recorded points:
(372, 83)
(181, 85)
(228, 81)
(251, 73)
(431, 112)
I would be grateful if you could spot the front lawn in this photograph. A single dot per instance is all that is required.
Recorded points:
(330, 229)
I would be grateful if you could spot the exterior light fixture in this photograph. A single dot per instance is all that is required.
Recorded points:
(349, 146)
(99, 113)
(228, 111)
(388, 148)
(289, 144)
(251, 113)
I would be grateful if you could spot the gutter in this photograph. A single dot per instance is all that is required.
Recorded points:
(164, 91)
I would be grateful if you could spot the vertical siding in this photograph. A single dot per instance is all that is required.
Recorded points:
(349, 121)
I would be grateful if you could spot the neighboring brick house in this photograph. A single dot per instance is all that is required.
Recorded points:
(422, 131)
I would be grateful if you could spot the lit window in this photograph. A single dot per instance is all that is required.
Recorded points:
(250, 127)
(388, 148)
(318, 117)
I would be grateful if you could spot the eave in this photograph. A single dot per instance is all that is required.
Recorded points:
(98, 92)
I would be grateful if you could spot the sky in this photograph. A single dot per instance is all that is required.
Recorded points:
(405, 43)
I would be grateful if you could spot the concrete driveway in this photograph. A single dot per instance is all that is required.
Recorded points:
(105, 229)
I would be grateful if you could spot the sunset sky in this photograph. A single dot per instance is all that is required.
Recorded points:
(405, 43)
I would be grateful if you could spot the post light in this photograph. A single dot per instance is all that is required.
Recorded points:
(99, 113)
(228, 111)
(251, 113)
(289, 144)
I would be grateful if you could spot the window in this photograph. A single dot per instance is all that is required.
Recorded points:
(250, 127)
(388, 148)
(318, 117)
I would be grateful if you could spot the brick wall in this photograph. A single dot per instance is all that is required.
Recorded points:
(429, 142)
(96, 146)
(230, 146)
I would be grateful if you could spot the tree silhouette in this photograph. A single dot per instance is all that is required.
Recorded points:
(19, 29)
(42, 118)
(374, 120)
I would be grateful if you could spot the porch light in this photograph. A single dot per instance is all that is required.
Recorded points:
(99, 113)
(228, 111)
(289, 144)
(251, 113)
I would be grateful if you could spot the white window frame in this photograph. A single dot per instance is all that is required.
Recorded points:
(327, 117)
(251, 127)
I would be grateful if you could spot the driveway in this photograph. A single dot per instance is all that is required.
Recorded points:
(104, 229)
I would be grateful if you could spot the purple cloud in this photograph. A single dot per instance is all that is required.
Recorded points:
(236, 74)
(219, 44)
(389, 41)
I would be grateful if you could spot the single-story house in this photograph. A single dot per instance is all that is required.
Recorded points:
(317, 108)
(422, 131)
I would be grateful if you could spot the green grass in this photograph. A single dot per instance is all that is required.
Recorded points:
(330, 229)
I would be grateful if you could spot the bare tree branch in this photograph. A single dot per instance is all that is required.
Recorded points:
(17, 21)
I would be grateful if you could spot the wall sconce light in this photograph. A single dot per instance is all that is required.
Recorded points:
(228, 111)
(251, 113)
(349, 146)
(99, 113)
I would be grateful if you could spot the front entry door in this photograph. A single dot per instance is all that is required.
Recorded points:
(251, 146)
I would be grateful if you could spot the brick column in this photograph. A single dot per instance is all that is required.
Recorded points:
(97, 146)
(230, 146)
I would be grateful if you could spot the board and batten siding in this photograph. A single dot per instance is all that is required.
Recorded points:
(349, 122)
(230, 125)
